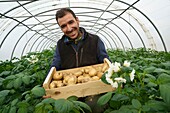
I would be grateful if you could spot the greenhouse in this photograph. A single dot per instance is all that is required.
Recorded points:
(124, 68)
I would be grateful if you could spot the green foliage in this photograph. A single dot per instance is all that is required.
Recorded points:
(104, 99)
(149, 92)
(21, 82)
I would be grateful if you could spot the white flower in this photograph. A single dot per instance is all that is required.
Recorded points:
(117, 64)
(110, 71)
(108, 75)
(116, 67)
(32, 59)
(33, 56)
(114, 85)
(120, 80)
(132, 75)
(109, 80)
(126, 63)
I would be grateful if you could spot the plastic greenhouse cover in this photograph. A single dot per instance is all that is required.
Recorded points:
(27, 26)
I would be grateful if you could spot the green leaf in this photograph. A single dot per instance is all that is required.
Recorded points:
(103, 78)
(3, 95)
(10, 84)
(23, 107)
(38, 91)
(165, 92)
(13, 109)
(157, 105)
(26, 92)
(14, 102)
(63, 106)
(5, 73)
(119, 97)
(72, 98)
(26, 80)
(151, 77)
(82, 105)
(145, 108)
(5, 109)
(104, 99)
(17, 82)
(48, 101)
(151, 84)
(22, 110)
(2, 99)
(48, 107)
(159, 70)
(136, 104)
(126, 69)
(149, 69)
(163, 78)
(75, 110)
(166, 64)
(39, 107)
(23, 104)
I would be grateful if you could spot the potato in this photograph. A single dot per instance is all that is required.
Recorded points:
(78, 73)
(99, 69)
(92, 72)
(59, 83)
(82, 70)
(57, 76)
(80, 78)
(99, 74)
(86, 79)
(65, 81)
(71, 80)
(86, 70)
(95, 78)
(52, 85)
(86, 75)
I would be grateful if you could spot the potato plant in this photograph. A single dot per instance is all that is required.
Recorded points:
(21, 82)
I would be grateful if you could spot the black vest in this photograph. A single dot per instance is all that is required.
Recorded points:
(86, 54)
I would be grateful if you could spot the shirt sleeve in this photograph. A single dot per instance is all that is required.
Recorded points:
(101, 53)
(56, 60)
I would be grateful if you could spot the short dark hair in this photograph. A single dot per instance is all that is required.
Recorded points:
(63, 11)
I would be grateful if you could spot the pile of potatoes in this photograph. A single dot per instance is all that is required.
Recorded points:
(81, 75)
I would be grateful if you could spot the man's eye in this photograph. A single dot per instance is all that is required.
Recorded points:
(70, 22)
(63, 26)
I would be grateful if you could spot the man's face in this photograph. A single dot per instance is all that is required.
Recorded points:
(69, 25)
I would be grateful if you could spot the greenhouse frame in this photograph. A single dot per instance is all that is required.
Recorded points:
(133, 77)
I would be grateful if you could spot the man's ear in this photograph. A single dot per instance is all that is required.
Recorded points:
(77, 19)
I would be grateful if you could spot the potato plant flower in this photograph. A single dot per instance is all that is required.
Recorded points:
(118, 74)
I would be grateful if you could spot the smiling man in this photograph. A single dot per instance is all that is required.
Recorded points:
(77, 47)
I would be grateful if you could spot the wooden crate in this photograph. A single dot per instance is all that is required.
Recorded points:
(79, 90)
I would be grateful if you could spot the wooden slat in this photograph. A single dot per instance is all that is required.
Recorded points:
(49, 78)
(79, 90)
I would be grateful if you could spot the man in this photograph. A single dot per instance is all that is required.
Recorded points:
(77, 47)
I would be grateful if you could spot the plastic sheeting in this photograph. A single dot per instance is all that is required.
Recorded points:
(27, 26)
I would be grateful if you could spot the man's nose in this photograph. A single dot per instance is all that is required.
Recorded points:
(69, 28)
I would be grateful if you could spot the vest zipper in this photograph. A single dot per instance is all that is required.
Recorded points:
(77, 64)
(81, 55)
(77, 61)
